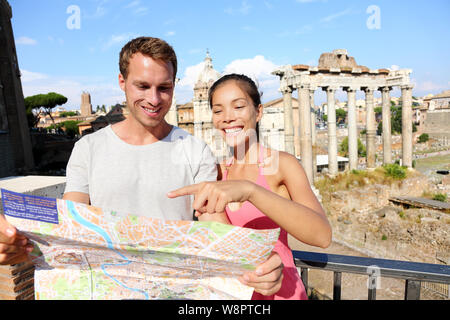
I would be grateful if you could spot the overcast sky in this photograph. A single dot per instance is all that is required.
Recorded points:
(70, 46)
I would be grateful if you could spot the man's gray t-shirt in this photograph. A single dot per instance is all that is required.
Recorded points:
(134, 179)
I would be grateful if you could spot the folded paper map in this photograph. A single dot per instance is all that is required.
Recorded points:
(84, 252)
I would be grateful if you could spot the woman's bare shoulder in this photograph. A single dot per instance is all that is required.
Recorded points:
(288, 166)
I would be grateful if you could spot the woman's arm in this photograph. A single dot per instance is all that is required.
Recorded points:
(303, 216)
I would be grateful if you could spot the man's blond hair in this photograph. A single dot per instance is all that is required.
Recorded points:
(155, 48)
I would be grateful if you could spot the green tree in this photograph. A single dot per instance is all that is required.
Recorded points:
(396, 121)
(378, 110)
(424, 137)
(70, 127)
(68, 114)
(343, 148)
(45, 102)
(341, 115)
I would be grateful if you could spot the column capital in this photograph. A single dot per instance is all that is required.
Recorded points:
(286, 89)
(407, 87)
(351, 88)
(330, 89)
(369, 89)
(385, 89)
(304, 86)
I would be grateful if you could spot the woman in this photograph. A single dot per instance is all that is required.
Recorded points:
(260, 188)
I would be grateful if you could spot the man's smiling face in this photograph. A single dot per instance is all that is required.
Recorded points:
(149, 89)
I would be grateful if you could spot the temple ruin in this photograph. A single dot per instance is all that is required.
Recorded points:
(337, 70)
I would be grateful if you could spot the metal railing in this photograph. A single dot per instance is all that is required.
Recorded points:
(412, 272)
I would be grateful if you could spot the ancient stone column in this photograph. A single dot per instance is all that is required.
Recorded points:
(332, 140)
(313, 116)
(313, 129)
(352, 131)
(305, 131)
(386, 117)
(407, 125)
(370, 128)
(288, 121)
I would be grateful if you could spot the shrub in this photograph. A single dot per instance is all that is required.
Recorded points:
(423, 138)
(395, 171)
(343, 148)
(440, 197)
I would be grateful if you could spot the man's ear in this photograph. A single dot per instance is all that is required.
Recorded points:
(121, 82)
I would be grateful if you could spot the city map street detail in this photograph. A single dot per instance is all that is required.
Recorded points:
(84, 252)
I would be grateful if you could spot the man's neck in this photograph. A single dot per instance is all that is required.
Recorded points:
(134, 133)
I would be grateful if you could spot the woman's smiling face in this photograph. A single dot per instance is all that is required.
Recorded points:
(233, 113)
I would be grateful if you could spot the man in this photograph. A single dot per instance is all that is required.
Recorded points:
(130, 166)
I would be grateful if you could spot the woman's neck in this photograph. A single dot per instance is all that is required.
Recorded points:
(246, 153)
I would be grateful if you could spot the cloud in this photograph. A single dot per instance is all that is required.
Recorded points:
(184, 90)
(249, 28)
(28, 76)
(310, 1)
(428, 86)
(259, 69)
(100, 11)
(118, 39)
(334, 16)
(306, 29)
(394, 67)
(268, 5)
(244, 9)
(132, 4)
(195, 50)
(26, 41)
(170, 33)
(169, 22)
(141, 11)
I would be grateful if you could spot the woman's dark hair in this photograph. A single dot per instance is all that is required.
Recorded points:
(245, 83)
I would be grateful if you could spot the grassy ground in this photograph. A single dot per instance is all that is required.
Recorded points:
(360, 178)
(427, 165)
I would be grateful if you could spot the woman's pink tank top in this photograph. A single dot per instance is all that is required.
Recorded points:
(249, 216)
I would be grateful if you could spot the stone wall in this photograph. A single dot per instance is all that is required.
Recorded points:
(7, 167)
(363, 219)
(437, 124)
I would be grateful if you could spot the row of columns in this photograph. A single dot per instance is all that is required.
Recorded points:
(307, 126)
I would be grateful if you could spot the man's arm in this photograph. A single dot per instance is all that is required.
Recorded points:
(77, 185)
(77, 197)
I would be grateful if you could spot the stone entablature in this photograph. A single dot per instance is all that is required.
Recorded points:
(341, 79)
